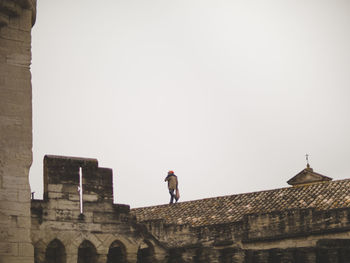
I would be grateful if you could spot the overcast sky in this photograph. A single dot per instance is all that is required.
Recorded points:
(230, 94)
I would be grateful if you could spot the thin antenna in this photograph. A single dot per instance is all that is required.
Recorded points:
(80, 189)
(307, 161)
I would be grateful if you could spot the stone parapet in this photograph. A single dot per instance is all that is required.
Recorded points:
(105, 229)
(294, 223)
(61, 179)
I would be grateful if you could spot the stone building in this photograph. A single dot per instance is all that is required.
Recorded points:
(307, 222)
(69, 227)
(16, 20)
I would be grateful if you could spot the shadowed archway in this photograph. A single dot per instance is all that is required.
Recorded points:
(55, 252)
(39, 252)
(145, 253)
(87, 252)
(116, 253)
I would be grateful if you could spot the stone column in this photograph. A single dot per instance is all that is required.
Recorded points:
(159, 254)
(72, 258)
(102, 258)
(131, 256)
(214, 256)
(309, 255)
(252, 256)
(16, 20)
(238, 256)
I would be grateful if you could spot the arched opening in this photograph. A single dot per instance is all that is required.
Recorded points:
(333, 250)
(87, 252)
(175, 256)
(116, 253)
(276, 255)
(145, 253)
(226, 255)
(55, 252)
(201, 255)
(39, 252)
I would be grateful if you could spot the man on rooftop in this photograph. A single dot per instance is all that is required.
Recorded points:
(172, 186)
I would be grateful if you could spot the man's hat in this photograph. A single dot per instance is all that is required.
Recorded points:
(171, 172)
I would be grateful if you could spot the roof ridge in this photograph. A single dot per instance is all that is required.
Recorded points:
(246, 193)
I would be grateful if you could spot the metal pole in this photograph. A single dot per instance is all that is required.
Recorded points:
(81, 189)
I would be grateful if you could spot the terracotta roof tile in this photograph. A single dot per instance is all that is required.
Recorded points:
(232, 208)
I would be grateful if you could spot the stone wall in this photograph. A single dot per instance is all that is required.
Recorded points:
(293, 236)
(104, 232)
(281, 225)
(16, 20)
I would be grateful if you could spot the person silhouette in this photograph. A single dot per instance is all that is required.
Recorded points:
(172, 186)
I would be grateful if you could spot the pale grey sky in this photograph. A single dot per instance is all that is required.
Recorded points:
(230, 94)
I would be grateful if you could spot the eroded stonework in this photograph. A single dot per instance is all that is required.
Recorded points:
(16, 20)
(101, 232)
(306, 223)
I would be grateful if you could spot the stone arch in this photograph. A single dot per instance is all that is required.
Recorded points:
(332, 250)
(55, 252)
(116, 252)
(175, 255)
(81, 237)
(87, 252)
(39, 252)
(202, 255)
(145, 253)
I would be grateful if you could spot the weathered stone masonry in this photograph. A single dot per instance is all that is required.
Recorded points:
(104, 232)
(309, 222)
(306, 223)
(16, 20)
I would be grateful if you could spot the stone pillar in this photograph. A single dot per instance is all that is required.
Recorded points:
(72, 258)
(131, 257)
(214, 256)
(287, 256)
(238, 256)
(39, 252)
(102, 258)
(160, 255)
(252, 256)
(16, 20)
(310, 255)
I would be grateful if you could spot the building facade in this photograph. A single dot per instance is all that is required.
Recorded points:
(78, 221)
(308, 222)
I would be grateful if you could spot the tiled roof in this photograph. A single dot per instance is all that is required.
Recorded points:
(232, 208)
